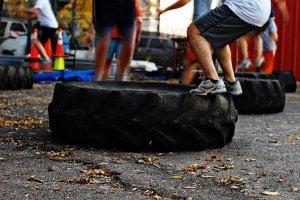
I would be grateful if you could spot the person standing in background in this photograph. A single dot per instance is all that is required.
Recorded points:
(259, 42)
(116, 42)
(106, 15)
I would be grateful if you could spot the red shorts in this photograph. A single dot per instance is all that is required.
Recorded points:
(189, 55)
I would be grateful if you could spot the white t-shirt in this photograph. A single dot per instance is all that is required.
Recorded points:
(46, 16)
(255, 12)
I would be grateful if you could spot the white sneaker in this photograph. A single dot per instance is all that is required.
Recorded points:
(234, 89)
(245, 64)
(260, 62)
(208, 87)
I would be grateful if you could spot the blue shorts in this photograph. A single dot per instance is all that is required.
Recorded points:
(107, 13)
(114, 49)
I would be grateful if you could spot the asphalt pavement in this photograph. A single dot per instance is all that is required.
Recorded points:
(262, 162)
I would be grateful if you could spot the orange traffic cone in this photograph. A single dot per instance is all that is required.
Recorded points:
(59, 63)
(34, 53)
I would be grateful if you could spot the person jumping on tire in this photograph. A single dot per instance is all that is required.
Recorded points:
(201, 7)
(215, 31)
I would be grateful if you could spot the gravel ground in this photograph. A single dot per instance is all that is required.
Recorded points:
(262, 162)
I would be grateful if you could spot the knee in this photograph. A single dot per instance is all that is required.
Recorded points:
(192, 31)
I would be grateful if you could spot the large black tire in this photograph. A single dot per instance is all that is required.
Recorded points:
(14, 78)
(260, 96)
(288, 79)
(254, 75)
(140, 116)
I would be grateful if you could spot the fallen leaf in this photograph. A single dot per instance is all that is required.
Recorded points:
(234, 187)
(214, 158)
(263, 174)
(176, 177)
(229, 180)
(99, 171)
(224, 167)
(207, 176)
(148, 160)
(61, 155)
(270, 193)
(294, 137)
(34, 179)
(190, 187)
(81, 181)
(280, 179)
(195, 167)
(22, 123)
(157, 197)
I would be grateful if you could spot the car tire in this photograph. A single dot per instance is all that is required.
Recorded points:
(140, 116)
(260, 96)
(14, 78)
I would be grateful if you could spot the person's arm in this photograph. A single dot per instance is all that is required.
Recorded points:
(31, 13)
(273, 30)
(139, 20)
(177, 4)
(138, 30)
(283, 10)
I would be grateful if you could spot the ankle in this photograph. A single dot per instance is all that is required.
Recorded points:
(230, 82)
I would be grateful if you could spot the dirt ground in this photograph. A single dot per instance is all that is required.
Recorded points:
(262, 162)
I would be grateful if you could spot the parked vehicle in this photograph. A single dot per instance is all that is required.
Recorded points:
(158, 50)
(8, 25)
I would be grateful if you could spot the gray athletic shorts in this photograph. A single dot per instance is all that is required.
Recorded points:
(221, 26)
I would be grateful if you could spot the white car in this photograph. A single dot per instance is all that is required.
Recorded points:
(8, 25)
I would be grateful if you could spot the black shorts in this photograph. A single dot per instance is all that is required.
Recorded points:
(46, 33)
(221, 26)
(107, 13)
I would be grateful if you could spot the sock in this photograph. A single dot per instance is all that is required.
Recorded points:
(229, 82)
(212, 80)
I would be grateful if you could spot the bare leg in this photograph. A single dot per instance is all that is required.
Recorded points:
(41, 49)
(258, 43)
(243, 44)
(203, 52)
(188, 73)
(101, 55)
(106, 70)
(224, 58)
(125, 55)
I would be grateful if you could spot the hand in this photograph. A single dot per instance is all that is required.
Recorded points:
(160, 12)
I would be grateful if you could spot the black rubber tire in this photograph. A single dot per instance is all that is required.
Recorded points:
(251, 75)
(288, 79)
(29, 78)
(140, 116)
(2, 76)
(260, 96)
(14, 78)
(254, 75)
